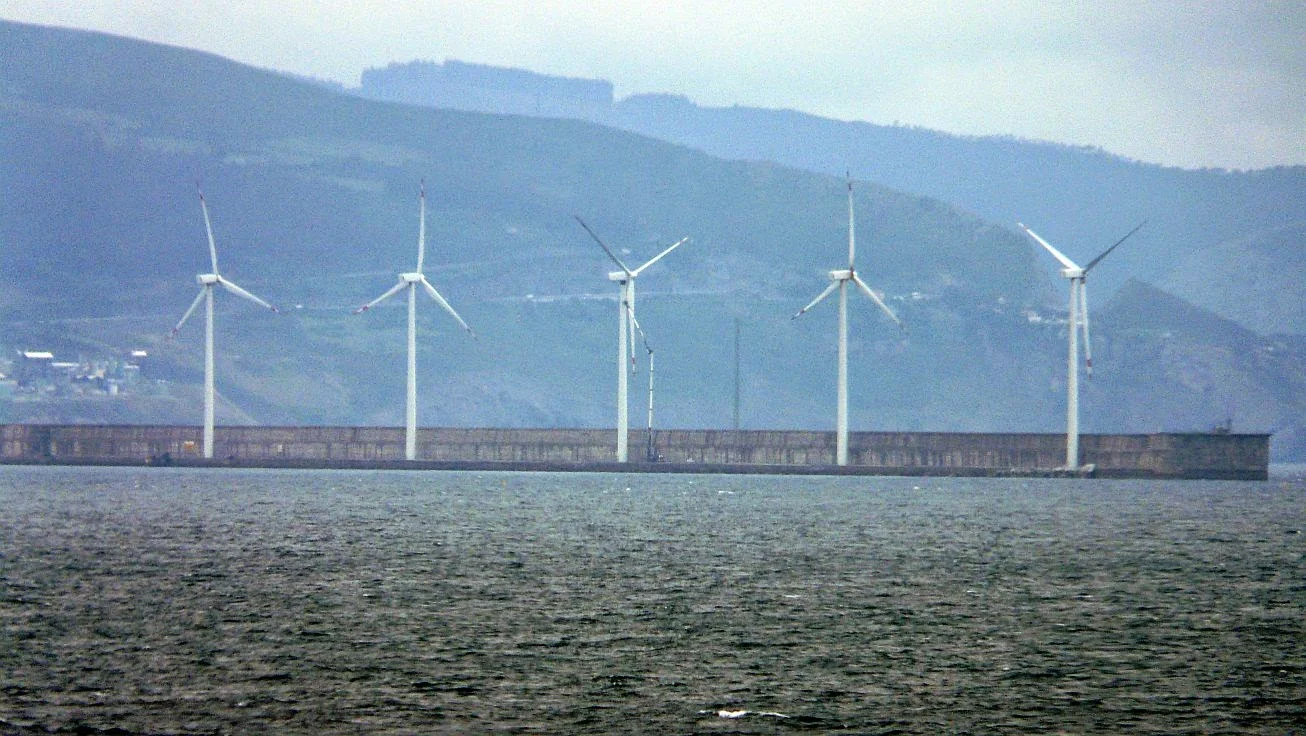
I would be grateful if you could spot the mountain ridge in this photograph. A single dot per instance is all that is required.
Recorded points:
(1079, 197)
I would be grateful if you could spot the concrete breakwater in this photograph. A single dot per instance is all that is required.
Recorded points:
(1162, 455)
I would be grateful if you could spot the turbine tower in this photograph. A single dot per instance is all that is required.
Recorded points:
(1077, 321)
(207, 281)
(411, 281)
(626, 327)
(840, 279)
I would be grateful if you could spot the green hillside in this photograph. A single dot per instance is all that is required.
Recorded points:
(313, 200)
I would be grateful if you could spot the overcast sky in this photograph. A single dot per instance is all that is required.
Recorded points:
(1217, 83)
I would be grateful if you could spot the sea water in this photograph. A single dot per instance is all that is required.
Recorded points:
(237, 601)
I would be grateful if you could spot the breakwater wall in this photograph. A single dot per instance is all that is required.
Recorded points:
(1162, 455)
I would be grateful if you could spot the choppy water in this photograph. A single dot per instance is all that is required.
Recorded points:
(202, 601)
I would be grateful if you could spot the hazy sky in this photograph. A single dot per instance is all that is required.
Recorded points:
(1202, 83)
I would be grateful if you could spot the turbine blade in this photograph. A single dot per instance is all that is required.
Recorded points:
(658, 257)
(245, 294)
(631, 326)
(1094, 262)
(421, 227)
(604, 246)
(441, 301)
(393, 290)
(867, 291)
(199, 298)
(640, 330)
(208, 228)
(1055, 253)
(628, 320)
(1083, 314)
(852, 243)
(630, 344)
(833, 285)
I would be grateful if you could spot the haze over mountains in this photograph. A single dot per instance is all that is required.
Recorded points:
(313, 194)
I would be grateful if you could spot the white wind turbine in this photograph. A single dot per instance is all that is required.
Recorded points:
(626, 327)
(1077, 321)
(411, 281)
(839, 280)
(207, 281)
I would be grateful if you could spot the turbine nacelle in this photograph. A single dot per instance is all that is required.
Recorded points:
(843, 274)
(207, 279)
(411, 278)
(1073, 273)
(620, 277)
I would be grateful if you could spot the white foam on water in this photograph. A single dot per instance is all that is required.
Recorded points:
(736, 714)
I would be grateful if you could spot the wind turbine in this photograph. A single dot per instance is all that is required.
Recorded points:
(840, 279)
(626, 326)
(411, 281)
(1078, 320)
(207, 281)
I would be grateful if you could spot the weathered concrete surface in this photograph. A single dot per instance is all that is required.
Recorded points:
(1170, 455)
